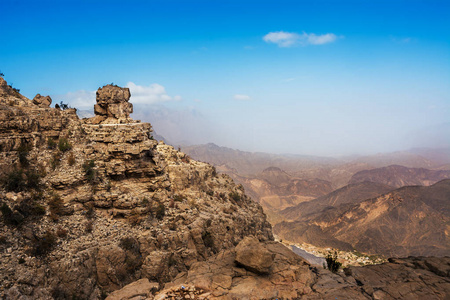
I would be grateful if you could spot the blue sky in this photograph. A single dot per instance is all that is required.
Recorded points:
(308, 77)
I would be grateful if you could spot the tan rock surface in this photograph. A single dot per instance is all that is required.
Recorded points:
(120, 206)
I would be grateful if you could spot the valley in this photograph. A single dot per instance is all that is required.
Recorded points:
(370, 204)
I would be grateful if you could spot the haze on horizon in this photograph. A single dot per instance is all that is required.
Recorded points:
(303, 77)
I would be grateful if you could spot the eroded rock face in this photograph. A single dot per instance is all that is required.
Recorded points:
(292, 278)
(43, 101)
(119, 205)
(253, 256)
(112, 105)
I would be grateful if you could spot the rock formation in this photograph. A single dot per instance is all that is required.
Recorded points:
(44, 101)
(112, 105)
(96, 205)
(291, 277)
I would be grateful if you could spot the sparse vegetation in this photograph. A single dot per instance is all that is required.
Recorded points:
(22, 153)
(71, 159)
(51, 144)
(42, 245)
(56, 207)
(235, 196)
(90, 211)
(160, 211)
(16, 180)
(89, 226)
(56, 160)
(64, 145)
(9, 217)
(63, 105)
(332, 262)
(89, 171)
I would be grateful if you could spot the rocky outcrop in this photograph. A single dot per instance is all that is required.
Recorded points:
(94, 206)
(291, 277)
(43, 101)
(253, 256)
(112, 105)
(136, 290)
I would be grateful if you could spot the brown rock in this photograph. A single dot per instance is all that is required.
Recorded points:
(43, 101)
(113, 105)
(252, 255)
(141, 288)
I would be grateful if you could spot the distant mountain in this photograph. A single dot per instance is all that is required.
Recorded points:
(412, 220)
(352, 193)
(275, 189)
(254, 162)
(338, 171)
(399, 176)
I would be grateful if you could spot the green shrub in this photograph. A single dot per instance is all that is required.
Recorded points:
(14, 180)
(22, 153)
(71, 159)
(235, 196)
(64, 145)
(332, 262)
(89, 226)
(89, 171)
(160, 211)
(56, 207)
(51, 144)
(56, 160)
(42, 245)
(33, 179)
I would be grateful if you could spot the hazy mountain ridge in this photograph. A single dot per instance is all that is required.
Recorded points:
(350, 194)
(412, 220)
(338, 171)
(399, 176)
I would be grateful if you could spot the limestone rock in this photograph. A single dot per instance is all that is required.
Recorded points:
(43, 101)
(253, 256)
(137, 290)
(112, 105)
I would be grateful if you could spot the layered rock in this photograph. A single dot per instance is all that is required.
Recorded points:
(117, 206)
(112, 105)
(43, 101)
(290, 277)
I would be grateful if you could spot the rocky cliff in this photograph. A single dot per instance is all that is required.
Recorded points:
(91, 205)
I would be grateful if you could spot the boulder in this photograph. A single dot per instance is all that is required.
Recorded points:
(141, 288)
(43, 101)
(112, 105)
(253, 256)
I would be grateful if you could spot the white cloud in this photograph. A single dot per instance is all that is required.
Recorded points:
(314, 39)
(242, 97)
(80, 99)
(289, 39)
(154, 93)
(282, 38)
